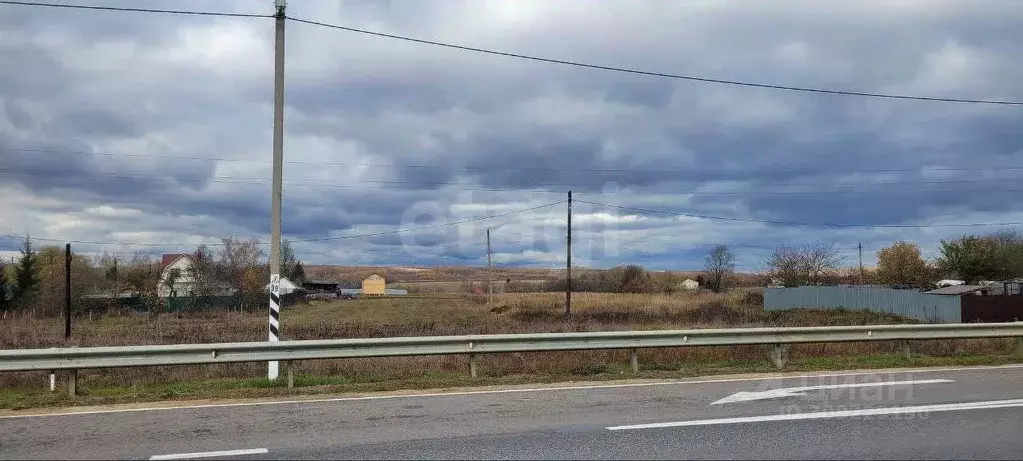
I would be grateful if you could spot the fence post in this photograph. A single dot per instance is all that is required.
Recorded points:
(634, 360)
(472, 365)
(904, 349)
(72, 382)
(779, 355)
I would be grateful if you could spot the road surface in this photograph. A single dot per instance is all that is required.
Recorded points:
(909, 414)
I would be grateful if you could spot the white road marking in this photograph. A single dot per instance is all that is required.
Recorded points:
(831, 414)
(212, 454)
(797, 391)
(511, 391)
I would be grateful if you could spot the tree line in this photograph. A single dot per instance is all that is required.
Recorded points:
(35, 281)
(971, 258)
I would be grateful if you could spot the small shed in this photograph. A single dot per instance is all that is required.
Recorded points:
(374, 285)
(328, 286)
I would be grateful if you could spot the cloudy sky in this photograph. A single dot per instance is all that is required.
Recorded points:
(129, 128)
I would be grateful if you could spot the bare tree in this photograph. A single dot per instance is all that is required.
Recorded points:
(808, 264)
(820, 260)
(205, 272)
(236, 256)
(720, 265)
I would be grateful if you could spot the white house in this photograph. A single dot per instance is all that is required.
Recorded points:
(178, 267)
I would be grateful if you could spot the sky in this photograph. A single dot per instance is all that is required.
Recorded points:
(126, 132)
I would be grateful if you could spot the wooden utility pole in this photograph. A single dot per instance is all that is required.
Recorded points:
(490, 273)
(860, 246)
(67, 292)
(568, 252)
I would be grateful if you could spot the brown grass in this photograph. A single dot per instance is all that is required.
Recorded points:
(423, 316)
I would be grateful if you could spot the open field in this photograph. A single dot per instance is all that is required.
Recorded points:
(453, 279)
(451, 315)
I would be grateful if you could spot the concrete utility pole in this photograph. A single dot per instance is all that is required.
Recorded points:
(568, 278)
(273, 368)
(490, 273)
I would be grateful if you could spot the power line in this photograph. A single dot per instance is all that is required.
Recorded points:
(657, 74)
(343, 237)
(794, 223)
(439, 187)
(134, 10)
(757, 187)
(453, 223)
(552, 169)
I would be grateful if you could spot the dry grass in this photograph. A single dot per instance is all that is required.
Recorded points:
(422, 316)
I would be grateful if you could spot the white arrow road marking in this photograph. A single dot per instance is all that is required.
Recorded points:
(833, 414)
(212, 454)
(797, 391)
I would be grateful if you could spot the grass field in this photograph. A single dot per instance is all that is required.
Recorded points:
(450, 315)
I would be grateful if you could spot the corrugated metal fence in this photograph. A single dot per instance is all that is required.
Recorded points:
(913, 304)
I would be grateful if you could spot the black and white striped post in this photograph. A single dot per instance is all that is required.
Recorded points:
(275, 321)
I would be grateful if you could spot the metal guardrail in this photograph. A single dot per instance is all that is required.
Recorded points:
(74, 358)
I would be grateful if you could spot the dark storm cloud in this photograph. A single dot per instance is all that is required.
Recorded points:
(449, 119)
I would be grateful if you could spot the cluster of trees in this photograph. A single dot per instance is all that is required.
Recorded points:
(35, 282)
(971, 258)
(622, 279)
(809, 264)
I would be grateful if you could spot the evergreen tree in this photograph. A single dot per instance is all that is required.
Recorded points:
(26, 273)
(3, 286)
(298, 273)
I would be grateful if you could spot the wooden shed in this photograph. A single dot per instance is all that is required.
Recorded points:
(374, 285)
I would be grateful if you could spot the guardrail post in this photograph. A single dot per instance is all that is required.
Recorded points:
(53, 381)
(779, 355)
(72, 382)
(634, 360)
(290, 367)
(1019, 345)
(472, 365)
(904, 349)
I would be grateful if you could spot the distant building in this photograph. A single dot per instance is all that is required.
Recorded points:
(690, 285)
(177, 278)
(320, 285)
(949, 283)
(374, 285)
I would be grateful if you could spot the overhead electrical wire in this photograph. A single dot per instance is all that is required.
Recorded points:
(526, 56)
(656, 74)
(324, 239)
(506, 168)
(747, 189)
(134, 9)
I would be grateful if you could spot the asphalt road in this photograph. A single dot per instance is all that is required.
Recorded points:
(933, 414)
